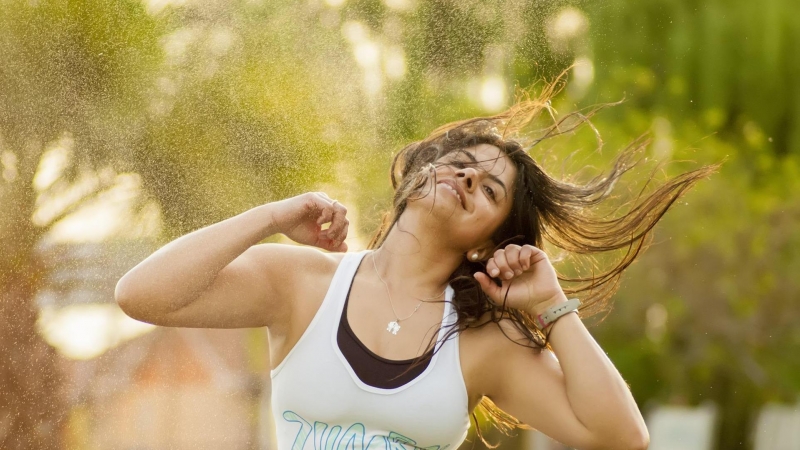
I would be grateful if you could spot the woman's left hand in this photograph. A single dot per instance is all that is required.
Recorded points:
(526, 275)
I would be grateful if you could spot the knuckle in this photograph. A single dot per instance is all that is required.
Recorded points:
(310, 204)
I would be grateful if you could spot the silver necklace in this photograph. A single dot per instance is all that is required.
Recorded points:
(394, 326)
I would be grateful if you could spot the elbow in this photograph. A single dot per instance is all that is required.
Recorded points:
(124, 299)
(640, 437)
(641, 442)
(142, 304)
(129, 301)
(633, 439)
(637, 439)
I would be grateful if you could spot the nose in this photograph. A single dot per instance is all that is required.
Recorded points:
(468, 176)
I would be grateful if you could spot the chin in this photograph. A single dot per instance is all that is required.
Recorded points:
(436, 205)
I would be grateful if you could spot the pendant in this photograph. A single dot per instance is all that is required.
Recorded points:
(393, 327)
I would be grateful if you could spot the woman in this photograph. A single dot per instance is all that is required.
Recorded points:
(389, 348)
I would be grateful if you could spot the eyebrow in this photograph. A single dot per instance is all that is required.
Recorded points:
(494, 178)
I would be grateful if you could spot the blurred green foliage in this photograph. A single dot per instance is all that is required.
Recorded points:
(220, 106)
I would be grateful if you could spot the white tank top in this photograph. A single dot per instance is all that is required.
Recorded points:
(319, 403)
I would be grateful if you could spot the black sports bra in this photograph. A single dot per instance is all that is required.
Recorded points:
(373, 369)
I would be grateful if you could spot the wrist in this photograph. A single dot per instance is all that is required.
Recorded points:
(269, 218)
(547, 313)
(541, 307)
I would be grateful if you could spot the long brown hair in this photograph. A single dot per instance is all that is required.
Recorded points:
(563, 214)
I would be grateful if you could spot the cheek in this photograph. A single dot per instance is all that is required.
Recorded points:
(483, 225)
(494, 219)
(422, 188)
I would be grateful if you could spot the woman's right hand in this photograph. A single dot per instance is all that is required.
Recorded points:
(301, 218)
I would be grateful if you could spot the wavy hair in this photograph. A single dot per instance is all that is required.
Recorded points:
(563, 214)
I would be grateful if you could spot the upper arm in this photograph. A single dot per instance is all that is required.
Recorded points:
(256, 289)
(530, 386)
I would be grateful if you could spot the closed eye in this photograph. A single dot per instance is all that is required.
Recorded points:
(489, 191)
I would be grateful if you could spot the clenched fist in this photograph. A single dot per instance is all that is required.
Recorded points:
(526, 275)
(301, 219)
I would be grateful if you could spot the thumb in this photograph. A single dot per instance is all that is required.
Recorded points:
(487, 285)
(331, 246)
(326, 243)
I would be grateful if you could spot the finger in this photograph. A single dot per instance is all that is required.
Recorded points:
(491, 268)
(326, 214)
(327, 235)
(340, 237)
(525, 254)
(537, 255)
(325, 241)
(336, 246)
(512, 258)
(506, 273)
(339, 221)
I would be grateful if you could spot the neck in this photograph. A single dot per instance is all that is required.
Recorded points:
(413, 261)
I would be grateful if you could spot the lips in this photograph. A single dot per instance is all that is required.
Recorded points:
(453, 186)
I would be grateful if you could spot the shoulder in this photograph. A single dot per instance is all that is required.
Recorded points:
(302, 274)
(293, 262)
(304, 254)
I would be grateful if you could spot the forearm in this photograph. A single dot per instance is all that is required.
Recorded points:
(177, 273)
(599, 396)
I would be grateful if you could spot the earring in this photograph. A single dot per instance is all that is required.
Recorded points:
(474, 256)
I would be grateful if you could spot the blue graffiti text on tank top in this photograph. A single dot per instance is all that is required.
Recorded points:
(351, 438)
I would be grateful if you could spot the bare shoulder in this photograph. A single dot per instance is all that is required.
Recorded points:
(299, 274)
(292, 261)
(310, 268)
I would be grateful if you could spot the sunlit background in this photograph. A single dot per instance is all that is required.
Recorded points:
(124, 124)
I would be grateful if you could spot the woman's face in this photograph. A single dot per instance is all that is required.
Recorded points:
(472, 196)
